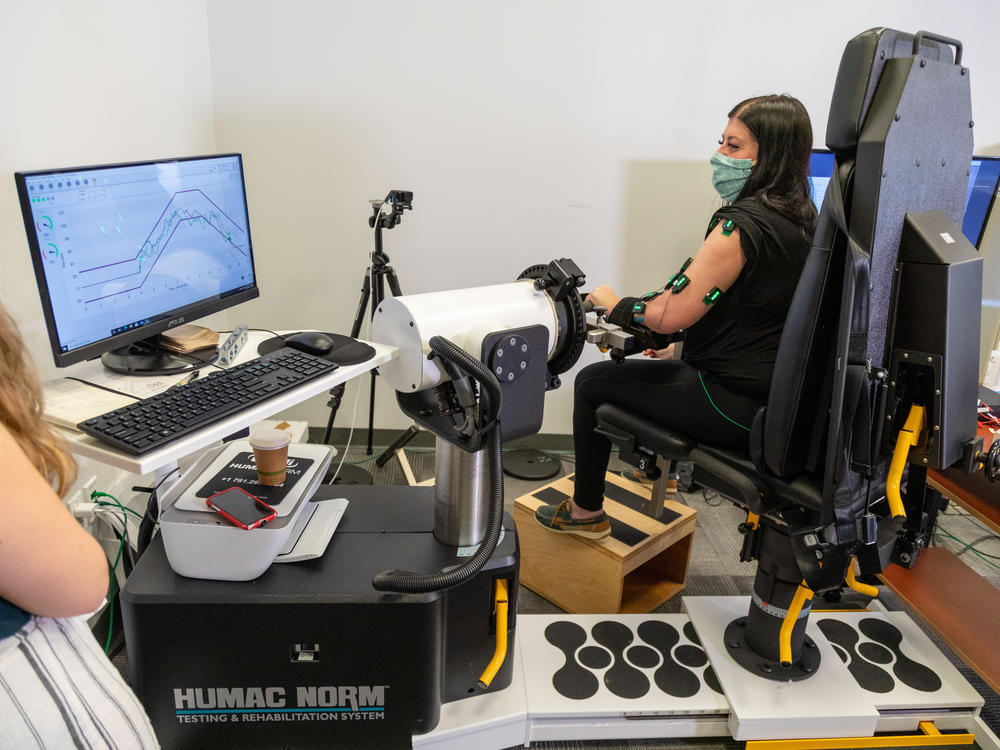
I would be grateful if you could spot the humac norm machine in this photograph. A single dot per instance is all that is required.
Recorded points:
(413, 604)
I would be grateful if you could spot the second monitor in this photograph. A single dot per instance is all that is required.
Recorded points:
(984, 179)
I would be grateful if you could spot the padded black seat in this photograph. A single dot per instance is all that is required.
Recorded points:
(730, 473)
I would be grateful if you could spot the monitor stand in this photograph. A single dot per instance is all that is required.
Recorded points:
(146, 357)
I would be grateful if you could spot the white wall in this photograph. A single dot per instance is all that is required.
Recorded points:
(527, 131)
(90, 83)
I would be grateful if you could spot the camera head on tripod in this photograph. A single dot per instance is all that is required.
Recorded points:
(397, 202)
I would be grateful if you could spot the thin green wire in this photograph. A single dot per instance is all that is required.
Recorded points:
(973, 550)
(96, 494)
(114, 568)
(716, 407)
(111, 594)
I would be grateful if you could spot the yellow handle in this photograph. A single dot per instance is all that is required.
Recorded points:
(908, 436)
(861, 588)
(501, 627)
(802, 594)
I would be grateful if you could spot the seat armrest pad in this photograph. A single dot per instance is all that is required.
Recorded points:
(650, 435)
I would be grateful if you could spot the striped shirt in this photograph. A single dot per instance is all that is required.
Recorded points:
(59, 690)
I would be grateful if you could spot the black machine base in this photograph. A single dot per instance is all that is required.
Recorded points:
(309, 654)
(347, 475)
(528, 463)
(739, 649)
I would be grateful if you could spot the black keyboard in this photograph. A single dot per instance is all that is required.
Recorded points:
(148, 424)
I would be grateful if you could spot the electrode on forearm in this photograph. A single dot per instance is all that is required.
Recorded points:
(673, 279)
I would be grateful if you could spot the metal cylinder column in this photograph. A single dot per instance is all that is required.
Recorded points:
(461, 495)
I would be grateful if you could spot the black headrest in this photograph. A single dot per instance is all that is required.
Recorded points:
(858, 75)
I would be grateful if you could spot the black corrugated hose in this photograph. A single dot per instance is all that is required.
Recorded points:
(404, 582)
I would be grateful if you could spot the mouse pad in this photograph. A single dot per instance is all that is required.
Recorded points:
(345, 351)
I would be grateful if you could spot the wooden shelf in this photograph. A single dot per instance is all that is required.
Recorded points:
(975, 493)
(957, 603)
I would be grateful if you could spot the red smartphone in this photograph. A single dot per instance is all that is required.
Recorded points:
(241, 508)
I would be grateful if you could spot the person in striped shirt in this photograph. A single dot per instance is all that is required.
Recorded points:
(57, 688)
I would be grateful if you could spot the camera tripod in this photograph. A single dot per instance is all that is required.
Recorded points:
(377, 275)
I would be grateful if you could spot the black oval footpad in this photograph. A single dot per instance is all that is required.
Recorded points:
(691, 656)
(868, 676)
(571, 680)
(672, 678)
(594, 657)
(875, 653)
(643, 656)
(622, 679)
(911, 673)
(691, 634)
(660, 646)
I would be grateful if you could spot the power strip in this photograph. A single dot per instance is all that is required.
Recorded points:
(232, 345)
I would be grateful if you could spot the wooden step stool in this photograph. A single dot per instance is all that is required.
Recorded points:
(638, 567)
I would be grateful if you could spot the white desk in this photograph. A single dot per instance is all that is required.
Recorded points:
(167, 455)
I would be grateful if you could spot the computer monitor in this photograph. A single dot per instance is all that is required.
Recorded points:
(984, 180)
(821, 166)
(124, 252)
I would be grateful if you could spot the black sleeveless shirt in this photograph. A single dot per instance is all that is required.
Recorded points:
(737, 340)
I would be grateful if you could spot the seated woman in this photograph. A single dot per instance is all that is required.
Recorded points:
(57, 688)
(730, 301)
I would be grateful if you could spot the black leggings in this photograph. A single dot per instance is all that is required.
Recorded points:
(669, 392)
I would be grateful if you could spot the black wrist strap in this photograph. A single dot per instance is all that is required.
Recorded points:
(621, 314)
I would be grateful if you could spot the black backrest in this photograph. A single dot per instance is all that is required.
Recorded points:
(900, 129)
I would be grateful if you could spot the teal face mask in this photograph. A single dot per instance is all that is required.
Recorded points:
(729, 175)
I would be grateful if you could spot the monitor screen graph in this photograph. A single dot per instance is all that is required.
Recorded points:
(126, 251)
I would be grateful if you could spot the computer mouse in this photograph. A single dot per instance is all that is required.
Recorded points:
(310, 342)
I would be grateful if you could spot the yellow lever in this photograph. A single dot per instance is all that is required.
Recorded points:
(802, 594)
(908, 437)
(500, 607)
(861, 588)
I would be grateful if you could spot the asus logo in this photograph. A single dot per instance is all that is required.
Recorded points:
(175, 322)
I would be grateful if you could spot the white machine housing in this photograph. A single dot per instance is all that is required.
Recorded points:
(200, 544)
(464, 316)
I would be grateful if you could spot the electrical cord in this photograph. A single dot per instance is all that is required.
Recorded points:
(985, 558)
(128, 560)
(151, 517)
(357, 392)
(709, 498)
(971, 546)
(112, 590)
(491, 399)
(102, 387)
(106, 513)
(267, 330)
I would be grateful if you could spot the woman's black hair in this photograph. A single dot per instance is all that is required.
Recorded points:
(784, 142)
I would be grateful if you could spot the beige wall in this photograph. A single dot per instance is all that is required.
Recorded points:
(527, 130)
(92, 83)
